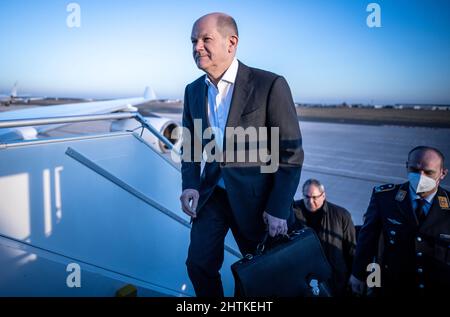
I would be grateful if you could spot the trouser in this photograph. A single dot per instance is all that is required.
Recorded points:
(206, 250)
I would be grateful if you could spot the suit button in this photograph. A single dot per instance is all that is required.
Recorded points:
(419, 254)
(391, 241)
(421, 286)
(419, 270)
(392, 233)
(419, 239)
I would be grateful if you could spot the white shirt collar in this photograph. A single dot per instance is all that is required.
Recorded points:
(230, 75)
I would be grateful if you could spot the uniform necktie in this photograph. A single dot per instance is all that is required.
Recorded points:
(420, 215)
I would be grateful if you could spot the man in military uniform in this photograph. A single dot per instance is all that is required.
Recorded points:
(413, 222)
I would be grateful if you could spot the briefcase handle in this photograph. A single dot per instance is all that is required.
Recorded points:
(262, 245)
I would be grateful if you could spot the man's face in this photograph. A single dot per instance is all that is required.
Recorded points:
(314, 198)
(210, 49)
(427, 163)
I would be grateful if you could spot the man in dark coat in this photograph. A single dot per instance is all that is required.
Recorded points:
(413, 222)
(334, 228)
(231, 193)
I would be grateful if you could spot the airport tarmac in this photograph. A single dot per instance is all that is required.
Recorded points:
(350, 159)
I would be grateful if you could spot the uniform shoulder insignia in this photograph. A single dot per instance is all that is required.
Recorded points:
(384, 188)
(443, 202)
(401, 194)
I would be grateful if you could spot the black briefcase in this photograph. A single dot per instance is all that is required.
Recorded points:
(288, 267)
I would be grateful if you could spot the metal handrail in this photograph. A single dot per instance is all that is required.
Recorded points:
(63, 119)
(84, 118)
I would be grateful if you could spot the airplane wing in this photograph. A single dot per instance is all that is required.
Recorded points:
(164, 125)
(83, 108)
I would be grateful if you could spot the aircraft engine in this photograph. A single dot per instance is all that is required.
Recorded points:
(20, 133)
(165, 126)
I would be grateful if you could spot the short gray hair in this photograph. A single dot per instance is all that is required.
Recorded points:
(313, 182)
(227, 25)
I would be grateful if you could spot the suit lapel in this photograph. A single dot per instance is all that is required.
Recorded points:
(203, 104)
(243, 88)
(404, 204)
(200, 108)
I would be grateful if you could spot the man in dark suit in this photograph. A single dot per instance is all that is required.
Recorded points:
(230, 193)
(413, 222)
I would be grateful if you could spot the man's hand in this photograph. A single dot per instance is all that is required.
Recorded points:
(189, 201)
(357, 286)
(276, 225)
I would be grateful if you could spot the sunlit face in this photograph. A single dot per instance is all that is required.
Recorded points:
(212, 51)
(427, 163)
(313, 198)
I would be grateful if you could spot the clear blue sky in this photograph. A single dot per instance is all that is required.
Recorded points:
(323, 47)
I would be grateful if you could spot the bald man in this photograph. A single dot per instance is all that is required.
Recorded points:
(413, 220)
(231, 194)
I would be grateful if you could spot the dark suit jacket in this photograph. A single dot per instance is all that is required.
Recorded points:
(414, 258)
(260, 99)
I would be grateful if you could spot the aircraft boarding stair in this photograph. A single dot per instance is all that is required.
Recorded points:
(108, 203)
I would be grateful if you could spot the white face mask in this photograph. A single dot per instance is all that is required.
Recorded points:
(421, 183)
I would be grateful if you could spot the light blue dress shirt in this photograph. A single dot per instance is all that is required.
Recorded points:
(219, 103)
(428, 201)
